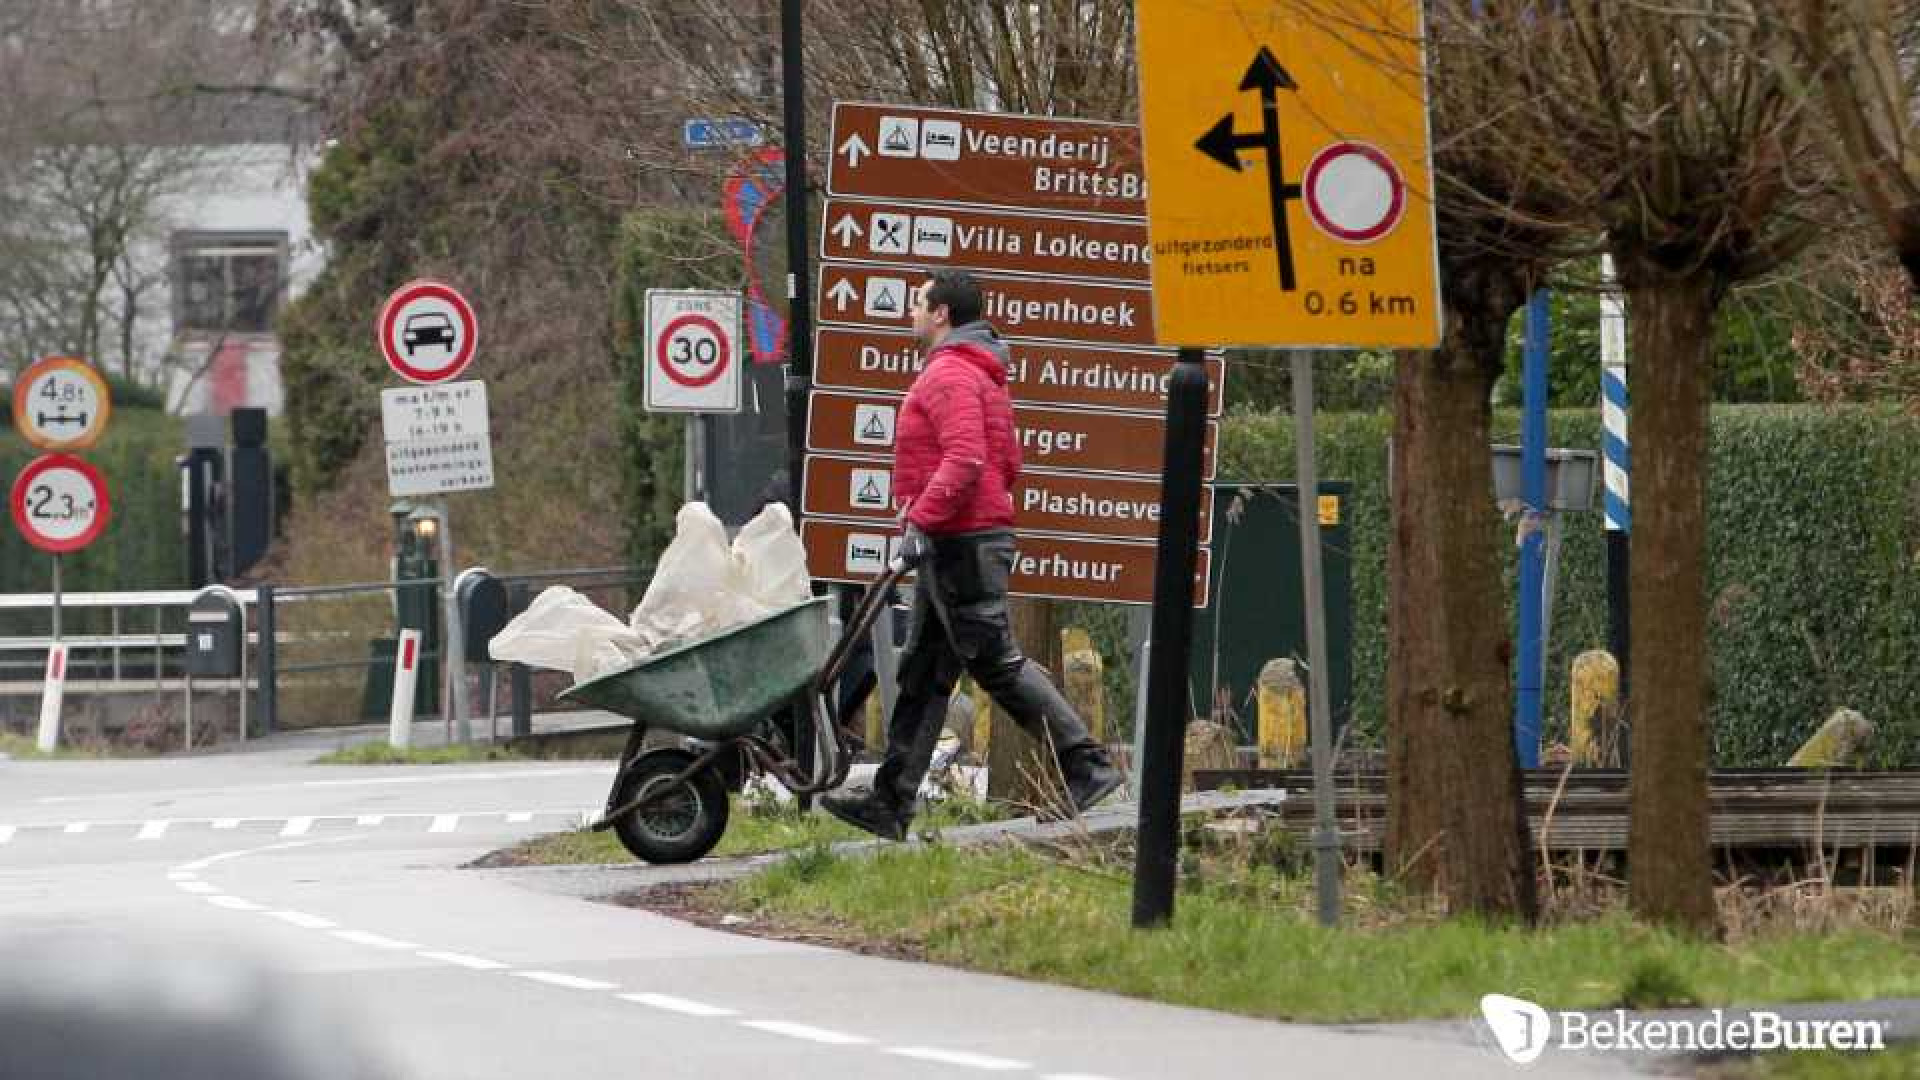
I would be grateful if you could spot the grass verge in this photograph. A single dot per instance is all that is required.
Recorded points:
(754, 827)
(380, 753)
(23, 748)
(1900, 1061)
(1248, 943)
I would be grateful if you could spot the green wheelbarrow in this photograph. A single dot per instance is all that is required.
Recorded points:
(754, 700)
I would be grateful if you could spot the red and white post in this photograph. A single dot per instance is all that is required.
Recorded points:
(52, 696)
(406, 675)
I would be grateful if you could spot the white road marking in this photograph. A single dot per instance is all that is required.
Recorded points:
(181, 875)
(444, 823)
(152, 830)
(440, 777)
(474, 963)
(519, 819)
(303, 920)
(679, 1005)
(199, 888)
(6, 833)
(297, 826)
(234, 903)
(76, 828)
(1074, 1076)
(960, 1058)
(361, 937)
(811, 1034)
(570, 982)
(226, 823)
(369, 819)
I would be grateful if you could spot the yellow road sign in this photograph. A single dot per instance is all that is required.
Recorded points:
(1289, 177)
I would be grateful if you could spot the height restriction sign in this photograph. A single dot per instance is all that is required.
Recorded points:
(59, 503)
(1290, 183)
(693, 351)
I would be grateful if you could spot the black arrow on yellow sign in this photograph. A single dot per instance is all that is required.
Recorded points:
(1223, 145)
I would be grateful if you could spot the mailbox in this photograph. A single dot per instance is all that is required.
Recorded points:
(482, 599)
(216, 633)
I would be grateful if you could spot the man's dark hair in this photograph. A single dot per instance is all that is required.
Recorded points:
(956, 291)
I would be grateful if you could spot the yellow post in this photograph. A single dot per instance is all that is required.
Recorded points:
(876, 722)
(1085, 679)
(1593, 724)
(1839, 743)
(1282, 715)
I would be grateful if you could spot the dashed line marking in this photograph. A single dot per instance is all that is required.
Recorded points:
(181, 875)
(369, 819)
(570, 982)
(361, 937)
(6, 833)
(76, 828)
(472, 963)
(443, 823)
(152, 830)
(296, 826)
(303, 920)
(234, 903)
(226, 823)
(810, 1034)
(678, 1005)
(1074, 1076)
(960, 1058)
(519, 819)
(198, 888)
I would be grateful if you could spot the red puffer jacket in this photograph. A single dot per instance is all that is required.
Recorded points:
(955, 454)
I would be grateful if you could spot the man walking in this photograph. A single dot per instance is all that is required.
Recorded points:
(956, 460)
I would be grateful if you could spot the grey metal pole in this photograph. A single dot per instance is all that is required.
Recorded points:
(1326, 839)
(269, 660)
(56, 599)
(453, 650)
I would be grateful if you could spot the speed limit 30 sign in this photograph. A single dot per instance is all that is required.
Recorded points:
(59, 503)
(693, 351)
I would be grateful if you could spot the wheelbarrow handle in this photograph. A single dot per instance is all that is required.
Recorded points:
(860, 625)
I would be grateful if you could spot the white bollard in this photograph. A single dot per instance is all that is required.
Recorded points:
(50, 698)
(406, 674)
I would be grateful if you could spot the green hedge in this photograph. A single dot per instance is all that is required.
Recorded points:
(1814, 529)
(141, 548)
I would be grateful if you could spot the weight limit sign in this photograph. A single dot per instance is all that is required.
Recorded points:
(59, 503)
(693, 348)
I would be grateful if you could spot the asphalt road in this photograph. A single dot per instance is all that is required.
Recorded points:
(340, 890)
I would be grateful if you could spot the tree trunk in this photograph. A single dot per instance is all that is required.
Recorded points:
(1455, 815)
(1016, 760)
(1668, 848)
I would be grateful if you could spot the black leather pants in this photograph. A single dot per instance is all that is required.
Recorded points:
(960, 624)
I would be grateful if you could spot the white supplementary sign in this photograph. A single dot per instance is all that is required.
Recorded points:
(438, 438)
(694, 347)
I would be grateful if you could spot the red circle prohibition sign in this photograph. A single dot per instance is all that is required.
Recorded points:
(23, 507)
(721, 359)
(469, 331)
(1382, 220)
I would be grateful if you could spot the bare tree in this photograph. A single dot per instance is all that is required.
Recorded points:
(1861, 58)
(1688, 151)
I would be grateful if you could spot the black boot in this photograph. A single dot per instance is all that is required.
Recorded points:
(1091, 778)
(868, 810)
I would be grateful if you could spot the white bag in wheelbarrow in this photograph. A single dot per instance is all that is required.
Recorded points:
(704, 585)
(546, 635)
(770, 561)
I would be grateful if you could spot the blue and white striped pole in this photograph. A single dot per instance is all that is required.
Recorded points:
(1618, 471)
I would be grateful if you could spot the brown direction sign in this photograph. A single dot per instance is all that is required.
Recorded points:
(987, 159)
(1018, 307)
(998, 240)
(1054, 567)
(1070, 439)
(1112, 507)
(1042, 373)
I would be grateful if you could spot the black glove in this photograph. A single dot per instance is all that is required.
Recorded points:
(916, 547)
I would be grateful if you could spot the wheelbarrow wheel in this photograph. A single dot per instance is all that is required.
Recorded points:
(679, 826)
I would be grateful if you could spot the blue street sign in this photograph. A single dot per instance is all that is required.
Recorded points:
(707, 134)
